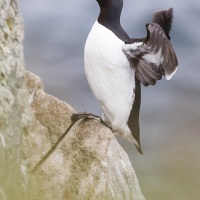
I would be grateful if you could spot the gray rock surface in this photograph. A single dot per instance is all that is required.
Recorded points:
(14, 107)
(85, 163)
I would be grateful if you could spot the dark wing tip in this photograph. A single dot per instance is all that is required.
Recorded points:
(164, 18)
(170, 12)
(167, 61)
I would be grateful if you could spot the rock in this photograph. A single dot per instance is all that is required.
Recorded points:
(14, 107)
(86, 162)
(50, 119)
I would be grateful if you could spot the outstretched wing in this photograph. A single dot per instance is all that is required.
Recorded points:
(152, 58)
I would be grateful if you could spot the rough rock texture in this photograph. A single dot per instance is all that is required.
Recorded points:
(50, 119)
(85, 163)
(13, 104)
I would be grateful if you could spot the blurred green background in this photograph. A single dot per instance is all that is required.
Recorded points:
(55, 34)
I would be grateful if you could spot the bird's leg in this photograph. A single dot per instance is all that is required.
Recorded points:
(86, 115)
(75, 117)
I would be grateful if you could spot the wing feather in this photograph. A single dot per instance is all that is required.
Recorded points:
(152, 58)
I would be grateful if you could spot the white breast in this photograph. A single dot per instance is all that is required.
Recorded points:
(110, 77)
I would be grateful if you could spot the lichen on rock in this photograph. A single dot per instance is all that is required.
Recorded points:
(14, 107)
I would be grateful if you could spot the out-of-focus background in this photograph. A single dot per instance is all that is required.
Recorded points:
(55, 34)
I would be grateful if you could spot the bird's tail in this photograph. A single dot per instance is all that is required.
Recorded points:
(139, 148)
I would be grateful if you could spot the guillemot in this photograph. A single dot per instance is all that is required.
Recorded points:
(116, 65)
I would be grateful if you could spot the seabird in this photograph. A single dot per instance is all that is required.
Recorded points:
(116, 65)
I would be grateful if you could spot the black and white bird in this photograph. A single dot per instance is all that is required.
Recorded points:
(116, 64)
